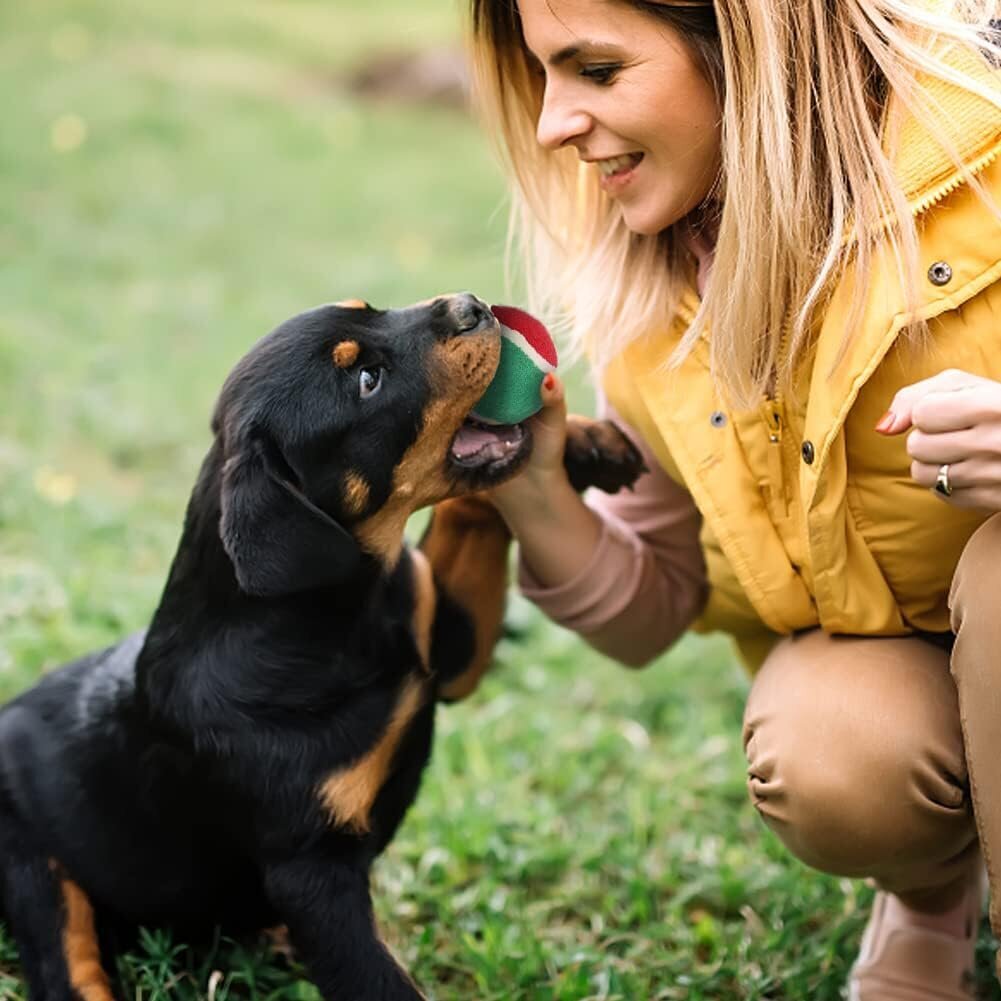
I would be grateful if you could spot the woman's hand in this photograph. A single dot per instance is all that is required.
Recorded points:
(954, 419)
(545, 465)
(556, 531)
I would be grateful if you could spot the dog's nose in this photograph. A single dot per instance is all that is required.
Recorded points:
(469, 313)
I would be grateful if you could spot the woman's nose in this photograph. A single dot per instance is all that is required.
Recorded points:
(559, 121)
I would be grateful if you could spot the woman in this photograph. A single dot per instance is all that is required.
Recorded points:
(775, 229)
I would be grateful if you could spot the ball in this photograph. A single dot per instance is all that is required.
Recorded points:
(527, 355)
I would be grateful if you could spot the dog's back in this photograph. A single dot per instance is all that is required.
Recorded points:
(140, 821)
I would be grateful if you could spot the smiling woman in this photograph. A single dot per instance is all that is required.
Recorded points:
(582, 92)
(638, 104)
(765, 223)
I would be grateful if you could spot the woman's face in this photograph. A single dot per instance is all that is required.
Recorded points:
(629, 95)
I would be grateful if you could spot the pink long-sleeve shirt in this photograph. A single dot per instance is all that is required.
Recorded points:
(646, 580)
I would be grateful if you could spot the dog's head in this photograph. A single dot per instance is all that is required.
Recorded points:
(344, 420)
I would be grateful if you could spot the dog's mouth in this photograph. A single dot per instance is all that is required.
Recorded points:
(489, 451)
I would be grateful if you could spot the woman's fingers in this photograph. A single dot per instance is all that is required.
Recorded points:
(553, 395)
(975, 483)
(949, 446)
(954, 420)
(550, 424)
(949, 401)
(953, 410)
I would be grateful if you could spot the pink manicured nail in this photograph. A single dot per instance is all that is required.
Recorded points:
(886, 422)
(549, 381)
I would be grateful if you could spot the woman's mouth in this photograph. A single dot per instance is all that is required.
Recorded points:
(618, 171)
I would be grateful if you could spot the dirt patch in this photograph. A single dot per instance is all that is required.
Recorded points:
(437, 76)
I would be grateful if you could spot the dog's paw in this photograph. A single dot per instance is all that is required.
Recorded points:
(599, 455)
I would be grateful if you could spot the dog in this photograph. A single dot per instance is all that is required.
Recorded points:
(242, 761)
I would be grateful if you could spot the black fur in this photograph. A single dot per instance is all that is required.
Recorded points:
(174, 777)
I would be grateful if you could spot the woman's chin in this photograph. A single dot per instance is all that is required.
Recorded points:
(644, 221)
(648, 218)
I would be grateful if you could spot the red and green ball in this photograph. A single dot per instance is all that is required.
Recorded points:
(527, 356)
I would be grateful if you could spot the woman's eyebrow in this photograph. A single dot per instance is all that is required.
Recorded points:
(583, 46)
(573, 50)
(566, 53)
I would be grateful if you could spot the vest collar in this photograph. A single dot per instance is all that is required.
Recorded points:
(970, 127)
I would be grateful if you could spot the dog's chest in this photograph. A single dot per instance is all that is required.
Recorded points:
(349, 793)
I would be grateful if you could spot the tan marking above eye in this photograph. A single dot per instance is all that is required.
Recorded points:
(346, 354)
(356, 493)
(353, 304)
(349, 793)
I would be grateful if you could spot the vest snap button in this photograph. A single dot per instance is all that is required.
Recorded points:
(809, 452)
(940, 273)
(717, 418)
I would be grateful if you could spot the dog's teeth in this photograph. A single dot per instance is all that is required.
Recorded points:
(483, 444)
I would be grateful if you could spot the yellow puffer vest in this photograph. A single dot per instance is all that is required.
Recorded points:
(810, 518)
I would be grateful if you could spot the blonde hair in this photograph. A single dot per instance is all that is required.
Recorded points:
(806, 186)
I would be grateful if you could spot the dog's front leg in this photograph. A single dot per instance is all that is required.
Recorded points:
(467, 545)
(327, 908)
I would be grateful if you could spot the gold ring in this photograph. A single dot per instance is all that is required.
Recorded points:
(942, 484)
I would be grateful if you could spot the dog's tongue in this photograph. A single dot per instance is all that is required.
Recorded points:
(470, 440)
(487, 442)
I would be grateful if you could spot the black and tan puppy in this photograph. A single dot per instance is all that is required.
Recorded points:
(242, 761)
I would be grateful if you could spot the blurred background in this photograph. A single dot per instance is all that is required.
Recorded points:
(175, 180)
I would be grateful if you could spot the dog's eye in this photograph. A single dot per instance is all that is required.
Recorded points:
(369, 381)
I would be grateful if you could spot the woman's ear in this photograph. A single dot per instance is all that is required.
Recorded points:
(277, 540)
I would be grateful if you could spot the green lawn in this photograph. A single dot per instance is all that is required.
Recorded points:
(175, 179)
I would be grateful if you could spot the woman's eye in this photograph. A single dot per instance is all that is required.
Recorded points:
(369, 381)
(603, 73)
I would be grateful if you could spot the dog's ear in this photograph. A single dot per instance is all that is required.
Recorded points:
(278, 541)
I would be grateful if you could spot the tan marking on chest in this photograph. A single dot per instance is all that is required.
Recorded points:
(348, 794)
(80, 946)
(346, 354)
(352, 303)
(425, 604)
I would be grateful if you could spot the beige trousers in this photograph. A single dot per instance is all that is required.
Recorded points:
(881, 757)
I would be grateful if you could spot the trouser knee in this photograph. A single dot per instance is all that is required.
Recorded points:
(855, 758)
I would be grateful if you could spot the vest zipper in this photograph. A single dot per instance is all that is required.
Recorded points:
(944, 190)
(774, 414)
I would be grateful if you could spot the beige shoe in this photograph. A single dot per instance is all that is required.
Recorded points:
(899, 962)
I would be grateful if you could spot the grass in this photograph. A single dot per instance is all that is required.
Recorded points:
(175, 180)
